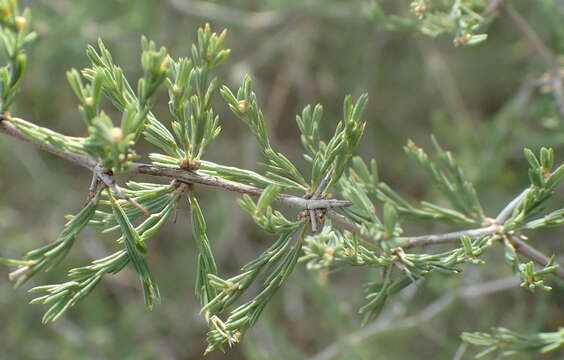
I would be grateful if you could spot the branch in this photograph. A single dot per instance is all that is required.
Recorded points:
(178, 174)
(508, 210)
(542, 50)
(286, 199)
(229, 15)
(108, 180)
(424, 240)
(533, 254)
(216, 181)
(497, 227)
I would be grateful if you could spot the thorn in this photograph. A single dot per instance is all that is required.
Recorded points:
(19, 272)
(92, 189)
(109, 181)
(313, 220)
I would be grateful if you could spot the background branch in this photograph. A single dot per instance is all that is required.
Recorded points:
(393, 324)
(541, 49)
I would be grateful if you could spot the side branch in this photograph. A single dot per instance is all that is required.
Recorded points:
(533, 254)
(495, 227)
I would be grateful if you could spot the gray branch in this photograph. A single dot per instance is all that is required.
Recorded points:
(495, 227)
(216, 181)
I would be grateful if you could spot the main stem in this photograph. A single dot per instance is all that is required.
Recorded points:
(179, 174)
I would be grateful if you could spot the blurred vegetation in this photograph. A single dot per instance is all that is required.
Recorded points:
(484, 102)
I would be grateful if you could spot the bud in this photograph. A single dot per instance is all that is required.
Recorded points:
(164, 65)
(328, 253)
(242, 106)
(89, 101)
(116, 134)
(183, 163)
(20, 22)
(462, 39)
(350, 252)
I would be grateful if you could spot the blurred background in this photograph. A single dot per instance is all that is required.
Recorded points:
(482, 102)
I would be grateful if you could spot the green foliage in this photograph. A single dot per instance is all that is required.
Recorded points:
(206, 263)
(161, 200)
(334, 156)
(14, 36)
(190, 92)
(459, 191)
(509, 343)
(246, 315)
(46, 257)
(463, 19)
(246, 108)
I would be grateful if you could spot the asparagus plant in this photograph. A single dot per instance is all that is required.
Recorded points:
(346, 215)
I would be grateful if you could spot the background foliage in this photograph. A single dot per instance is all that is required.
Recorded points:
(479, 101)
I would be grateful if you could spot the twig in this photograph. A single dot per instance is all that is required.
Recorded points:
(497, 226)
(94, 183)
(533, 254)
(507, 211)
(316, 195)
(460, 351)
(532, 37)
(312, 220)
(228, 15)
(322, 184)
(493, 7)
